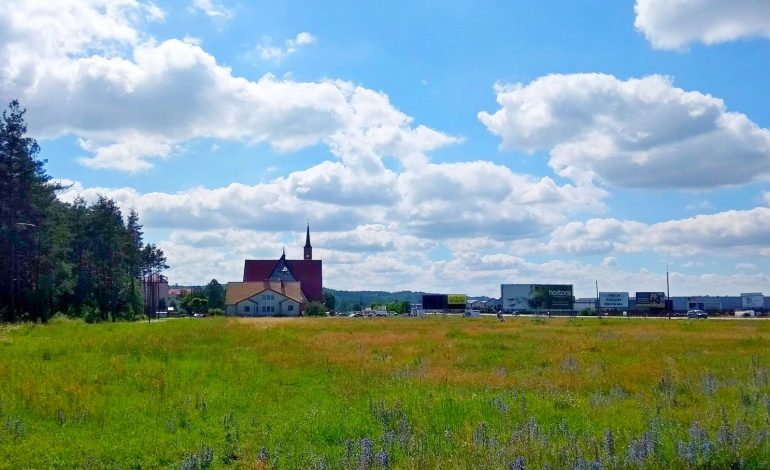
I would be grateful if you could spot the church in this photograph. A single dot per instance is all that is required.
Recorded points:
(281, 286)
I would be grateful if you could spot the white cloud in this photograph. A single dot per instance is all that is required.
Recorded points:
(725, 234)
(482, 199)
(270, 52)
(731, 232)
(699, 206)
(633, 133)
(745, 267)
(213, 10)
(595, 236)
(673, 24)
(129, 98)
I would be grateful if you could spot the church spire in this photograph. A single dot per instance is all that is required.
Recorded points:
(308, 247)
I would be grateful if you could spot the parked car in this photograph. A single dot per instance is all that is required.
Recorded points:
(697, 314)
(745, 313)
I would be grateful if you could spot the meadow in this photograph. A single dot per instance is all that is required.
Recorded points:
(324, 393)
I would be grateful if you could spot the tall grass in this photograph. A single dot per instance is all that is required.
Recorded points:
(385, 393)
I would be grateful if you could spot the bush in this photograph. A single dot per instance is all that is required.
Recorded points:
(315, 309)
(91, 314)
(216, 312)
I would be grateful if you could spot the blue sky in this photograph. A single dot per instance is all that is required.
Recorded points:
(438, 146)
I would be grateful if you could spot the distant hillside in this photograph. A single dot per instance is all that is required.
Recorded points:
(356, 300)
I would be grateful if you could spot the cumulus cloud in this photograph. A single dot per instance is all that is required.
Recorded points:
(129, 98)
(482, 199)
(270, 52)
(208, 233)
(671, 24)
(730, 233)
(639, 133)
(594, 236)
(744, 231)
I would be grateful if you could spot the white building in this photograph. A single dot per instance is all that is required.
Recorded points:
(264, 299)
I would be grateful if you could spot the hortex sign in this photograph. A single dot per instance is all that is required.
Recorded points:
(537, 297)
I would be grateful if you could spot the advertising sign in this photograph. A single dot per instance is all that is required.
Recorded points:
(753, 300)
(558, 297)
(650, 300)
(613, 300)
(525, 297)
(457, 299)
(434, 301)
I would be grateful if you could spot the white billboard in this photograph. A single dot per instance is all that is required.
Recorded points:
(753, 300)
(515, 296)
(613, 299)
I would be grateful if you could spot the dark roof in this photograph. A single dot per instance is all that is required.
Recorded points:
(308, 272)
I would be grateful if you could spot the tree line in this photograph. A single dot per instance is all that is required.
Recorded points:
(80, 259)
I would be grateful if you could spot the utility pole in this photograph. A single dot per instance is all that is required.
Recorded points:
(598, 314)
(668, 294)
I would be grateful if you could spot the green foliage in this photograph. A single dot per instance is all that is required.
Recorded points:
(61, 257)
(91, 314)
(194, 302)
(216, 312)
(330, 300)
(215, 294)
(399, 307)
(586, 312)
(357, 300)
(315, 309)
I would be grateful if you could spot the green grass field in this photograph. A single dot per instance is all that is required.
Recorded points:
(386, 393)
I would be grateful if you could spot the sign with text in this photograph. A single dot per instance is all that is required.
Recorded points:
(650, 300)
(525, 297)
(613, 299)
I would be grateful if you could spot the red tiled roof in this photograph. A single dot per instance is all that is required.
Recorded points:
(308, 272)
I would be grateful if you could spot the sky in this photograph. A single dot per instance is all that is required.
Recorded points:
(435, 146)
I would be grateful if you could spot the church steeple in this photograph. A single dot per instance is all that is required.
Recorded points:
(308, 247)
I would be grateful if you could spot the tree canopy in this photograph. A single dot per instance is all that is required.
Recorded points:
(74, 257)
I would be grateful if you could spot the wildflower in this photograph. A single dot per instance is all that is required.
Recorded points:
(609, 443)
(263, 456)
(501, 405)
(517, 464)
(708, 384)
(382, 458)
(569, 364)
(366, 456)
(480, 435)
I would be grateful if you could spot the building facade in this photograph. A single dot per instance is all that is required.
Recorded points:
(308, 272)
(264, 299)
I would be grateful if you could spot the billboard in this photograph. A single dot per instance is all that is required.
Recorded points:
(434, 301)
(516, 297)
(444, 301)
(753, 300)
(613, 299)
(650, 300)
